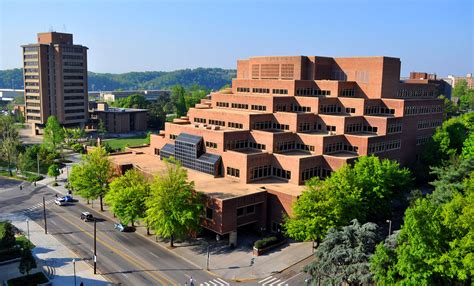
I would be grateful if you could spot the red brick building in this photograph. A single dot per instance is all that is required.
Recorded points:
(251, 147)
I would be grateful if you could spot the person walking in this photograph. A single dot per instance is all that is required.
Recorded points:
(191, 281)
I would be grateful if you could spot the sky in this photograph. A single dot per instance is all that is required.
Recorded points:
(427, 35)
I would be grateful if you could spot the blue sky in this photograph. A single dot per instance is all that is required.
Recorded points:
(433, 36)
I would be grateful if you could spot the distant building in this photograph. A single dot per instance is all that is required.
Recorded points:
(55, 77)
(117, 120)
(150, 95)
(8, 95)
(453, 80)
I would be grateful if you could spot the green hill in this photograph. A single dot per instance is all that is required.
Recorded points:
(212, 78)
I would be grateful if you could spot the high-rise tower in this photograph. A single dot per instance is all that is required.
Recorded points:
(55, 77)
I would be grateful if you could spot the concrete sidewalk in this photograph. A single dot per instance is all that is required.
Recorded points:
(54, 258)
(237, 264)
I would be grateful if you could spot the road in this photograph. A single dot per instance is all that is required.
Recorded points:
(125, 258)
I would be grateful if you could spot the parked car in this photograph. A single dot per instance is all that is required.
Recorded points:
(68, 198)
(123, 228)
(60, 201)
(87, 216)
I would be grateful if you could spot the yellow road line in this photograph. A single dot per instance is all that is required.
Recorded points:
(123, 255)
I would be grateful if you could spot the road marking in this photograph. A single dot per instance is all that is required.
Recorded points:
(281, 284)
(261, 281)
(123, 255)
(225, 283)
(213, 283)
(270, 281)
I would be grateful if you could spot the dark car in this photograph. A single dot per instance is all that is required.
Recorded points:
(87, 216)
(123, 228)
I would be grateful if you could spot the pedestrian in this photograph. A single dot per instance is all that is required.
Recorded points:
(21, 187)
(82, 284)
(191, 281)
(56, 195)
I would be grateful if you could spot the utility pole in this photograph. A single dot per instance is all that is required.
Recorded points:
(44, 216)
(95, 246)
(28, 228)
(38, 164)
(74, 265)
(389, 226)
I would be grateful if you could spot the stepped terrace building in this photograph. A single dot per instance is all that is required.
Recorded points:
(251, 147)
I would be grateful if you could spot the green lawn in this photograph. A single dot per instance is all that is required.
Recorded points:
(120, 143)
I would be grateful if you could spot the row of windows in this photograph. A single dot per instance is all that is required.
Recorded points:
(425, 124)
(350, 110)
(32, 90)
(74, 91)
(347, 92)
(73, 76)
(32, 97)
(315, 172)
(73, 97)
(305, 126)
(199, 120)
(309, 91)
(241, 144)
(269, 125)
(233, 172)
(329, 128)
(216, 122)
(243, 89)
(31, 49)
(291, 145)
(259, 107)
(331, 108)
(69, 104)
(72, 50)
(33, 56)
(32, 111)
(421, 140)
(73, 84)
(31, 70)
(415, 93)
(240, 106)
(384, 146)
(32, 84)
(339, 146)
(73, 64)
(298, 108)
(235, 125)
(261, 172)
(260, 90)
(222, 104)
(423, 109)
(173, 136)
(394, 128)
(33, 118)
(279, 91)
(74, 117)
(74, 110)
(248, 210)
(72, 57)
(359, 127)
(33, 104)
(31, 77)
(211, 144)
(76, 70)
(378, 110)
(281, 107)
(31, 63)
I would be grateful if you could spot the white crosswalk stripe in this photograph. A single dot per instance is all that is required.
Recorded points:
(37, 206)
(272, 281)
(215, 282)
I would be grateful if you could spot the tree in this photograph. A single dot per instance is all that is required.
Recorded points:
(344, 256)
(383, 261)
(9, 141)
(362, 191)
(53, 171)
(90, 178)
(132, 101)
(27, 261)
(102, 130)
(460, 89)
(466, 101)
(7, 235)
(174, 207)
(53, 134)
(128, 195)
(450, 108)
(178, 98)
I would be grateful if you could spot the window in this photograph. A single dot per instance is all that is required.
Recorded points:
(281, 173)
(394, 128)
(347, 92)
(235, 125)
(259, 107)
(261, 172)
(157, 151)
(216, 122)
(243, 89)
(331, 108)
(250, 209)
(199, 120)
(209, 213)
(260, 90)
(240, 212)
(233, 172)
(240, 106)
(211, 144)
(280, 91)
(308, 91)
(173, 136)
(222, 104)
(350, 110)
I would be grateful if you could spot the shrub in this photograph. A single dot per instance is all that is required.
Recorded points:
(267, 241)
(78, 148)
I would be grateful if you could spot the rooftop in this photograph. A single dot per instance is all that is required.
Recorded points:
(204, 183)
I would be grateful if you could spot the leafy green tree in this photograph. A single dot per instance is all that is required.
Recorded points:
(90, 178)
(383, 261)
(7, 235)
(353, 192)
(450, 108)
(53, 134)
(174, 207)
(53, 171)
(27, 261)
(9, 141)
(344, 256)
(466, 101)
(127, 196)
(178, 94)
(132, 101)
(102, 130)
(460, 89)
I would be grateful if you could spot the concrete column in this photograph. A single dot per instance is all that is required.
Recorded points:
(233, 239)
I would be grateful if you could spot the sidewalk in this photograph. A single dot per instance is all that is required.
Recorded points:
(53, 258)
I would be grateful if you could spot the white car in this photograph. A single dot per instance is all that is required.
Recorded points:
(60, 201)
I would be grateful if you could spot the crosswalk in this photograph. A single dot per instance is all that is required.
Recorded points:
(37, 206)
(272, 281)
(215, 282)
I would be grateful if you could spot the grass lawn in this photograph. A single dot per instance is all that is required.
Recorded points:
(120, 143)
(30, 280)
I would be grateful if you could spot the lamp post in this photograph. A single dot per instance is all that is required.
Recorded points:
(28, 228)
(44, 216)
(95, 246)
(389, 226)
(74, 266)
(208, 252)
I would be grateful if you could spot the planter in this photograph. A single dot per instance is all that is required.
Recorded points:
(260, 251)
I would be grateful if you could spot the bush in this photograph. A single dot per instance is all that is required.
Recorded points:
(267, 241)
(7, 235)
(78, 148)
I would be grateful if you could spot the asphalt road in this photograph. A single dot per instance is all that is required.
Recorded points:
(126, 258)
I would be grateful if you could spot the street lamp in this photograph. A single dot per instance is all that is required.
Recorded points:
(208, 253)
(389, 226)
(74, 266)
(28, 228)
